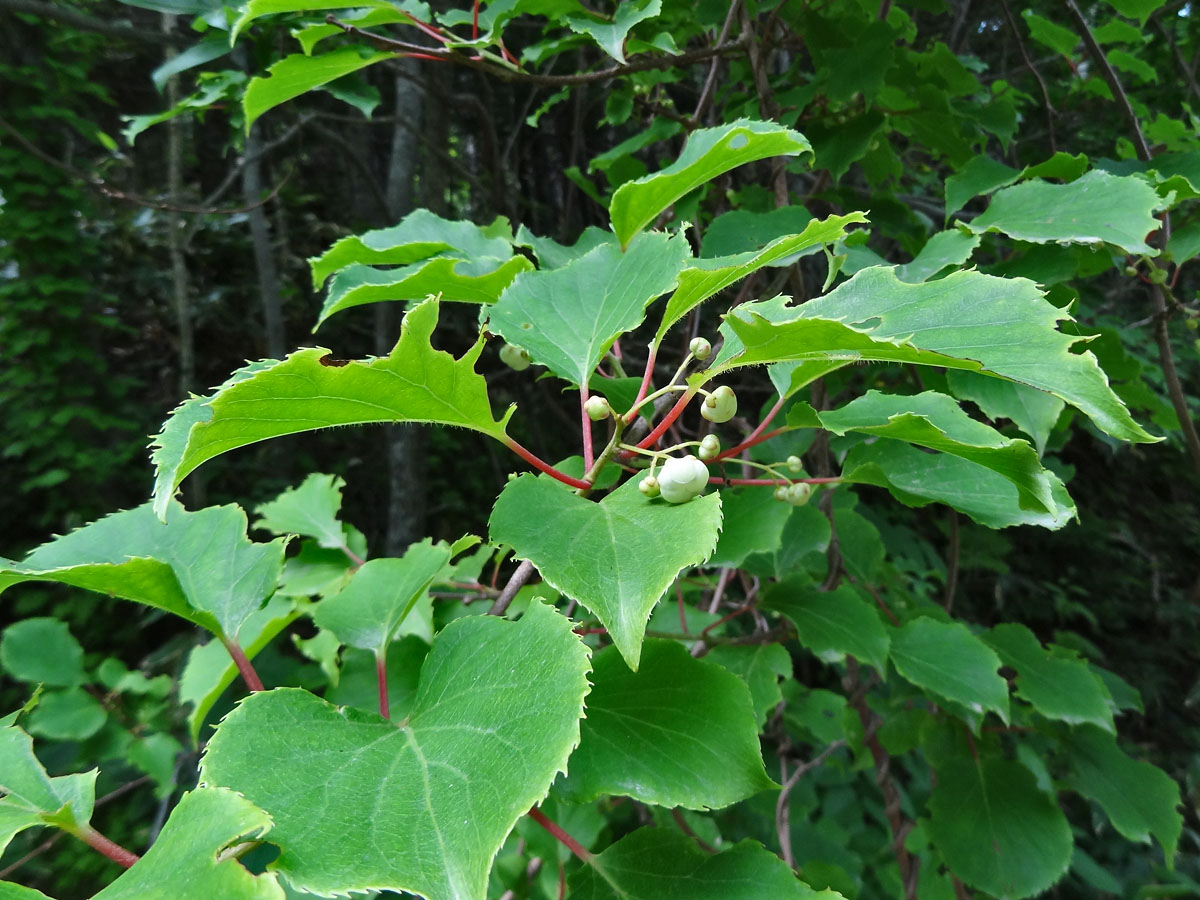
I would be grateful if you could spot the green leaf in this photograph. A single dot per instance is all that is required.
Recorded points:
(616, 557)
(568, 317)
(1050, 34)
(553, 255)
(421, 235)
(10, 891)
(296, 74)
(1063, 689)
(213, 46)
(677, 732)
(310, 509)
(186, 859)
(197, 565)
(1132, 65)
(414, 383)
(832, 622)
(1097, 208)
(69, 715)
(805, 531)
(422, 807)
(705, 277)
(945, 659)
(740, 230)
(952, 322)
(31, 797)
(1139, 799)
(256, 9)
(660, 863)
(981, 175)
(480, 280)
(996, 830)
(760, 666)
(368, 610)
(1031, 410)
(210, 669)
(358, 679)
(752, 521)
(937, 422)
(708, 153)
(946, 248)
(611, 36)
(917, 479)
(1063, 165)
(1135, 9)
(42, 650)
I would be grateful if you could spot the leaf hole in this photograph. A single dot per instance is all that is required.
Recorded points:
(738, 141)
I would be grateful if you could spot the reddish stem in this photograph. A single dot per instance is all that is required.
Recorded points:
(733, 615)
(754, 435)
(428, 29)
(561, 836)
(717, 479)
(475, 21)
(668, 420)
(755, 438)
(423, 56)
(544, 466)
(253, 682)
(588, 454)
(111, 849)
(645, 388)
(381, 677)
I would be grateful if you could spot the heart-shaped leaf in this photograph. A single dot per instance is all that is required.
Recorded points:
(678, 732)
(568, 317)
(616, 557)
(425, 805)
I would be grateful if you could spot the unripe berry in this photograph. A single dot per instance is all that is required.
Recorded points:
(681, 478)
(649, 486)
(700, 348)
(795, 464)
(798, 493)
(710, 448)
(597, 408)
(516, 358)
(781, 493)
(720, 406)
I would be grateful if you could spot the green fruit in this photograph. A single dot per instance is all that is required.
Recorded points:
(597, 408)
(516, 358)
(700, 348)
(799, 493)
(649, 486)
(710, 448)
(681, 478)
(795, 464)
(720, 406)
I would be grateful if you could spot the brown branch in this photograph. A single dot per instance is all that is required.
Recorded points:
(710, 83)
(103, 187)
(642, 63)
(84, 22)
(1158, 298)
(783, 826)
(1051, 112)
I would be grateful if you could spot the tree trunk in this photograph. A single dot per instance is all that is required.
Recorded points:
(405, 444)
(264, 253)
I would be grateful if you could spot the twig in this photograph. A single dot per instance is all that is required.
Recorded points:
(641, 63)
(561, 836)
(1051, 112)
(952, 554)
(1158, 299)
(516, 581)
(710, 83)
(783, 810)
